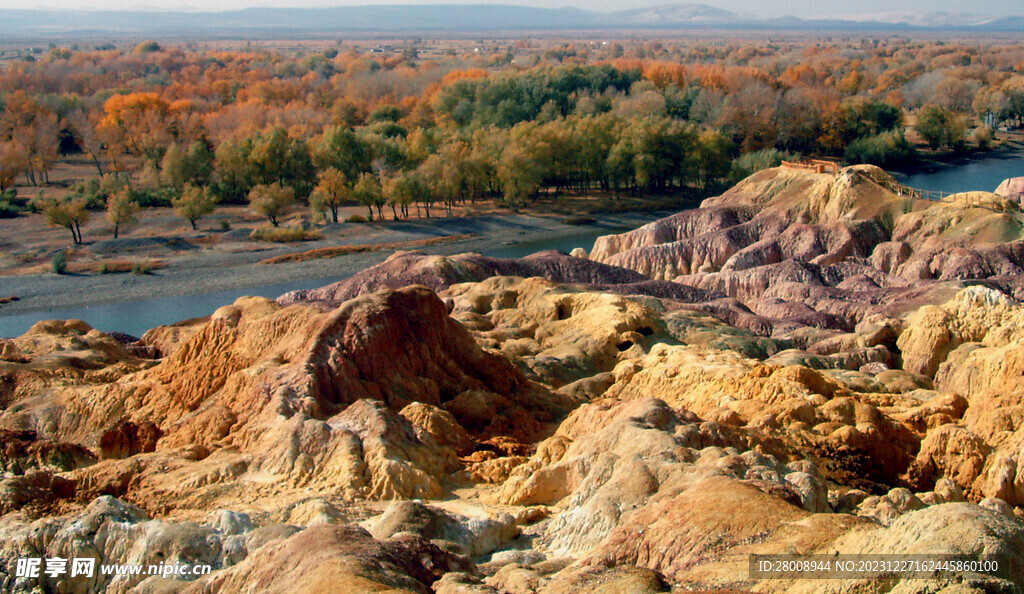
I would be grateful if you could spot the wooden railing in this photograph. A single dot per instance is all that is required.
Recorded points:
(815, 165)
(938, 195)
(902, 190)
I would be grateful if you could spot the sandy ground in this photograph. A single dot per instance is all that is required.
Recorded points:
(232, 263)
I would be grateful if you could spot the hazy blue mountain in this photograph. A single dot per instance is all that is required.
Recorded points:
(461, 17)
(697, 14)
(920, 19)
(355, 18)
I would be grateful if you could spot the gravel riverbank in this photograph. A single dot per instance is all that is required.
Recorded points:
(235, 265)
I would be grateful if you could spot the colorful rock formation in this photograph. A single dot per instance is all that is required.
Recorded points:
(809, 363)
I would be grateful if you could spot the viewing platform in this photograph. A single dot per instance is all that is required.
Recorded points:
(815, 165)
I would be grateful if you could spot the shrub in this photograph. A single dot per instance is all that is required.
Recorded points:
(115, 266)
(356, 219)
(152, 198)
(225, 225)
(95, 202)
(887, 149)
(142, 268)
(750, 163)
(8, 210)
(89, 190)
(984, 137)
(284, 234)
(59, 262)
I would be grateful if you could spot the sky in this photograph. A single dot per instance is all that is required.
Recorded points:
(763, 8)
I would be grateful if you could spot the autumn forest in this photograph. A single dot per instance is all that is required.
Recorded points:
(415, 128)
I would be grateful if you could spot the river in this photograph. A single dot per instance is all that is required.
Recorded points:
(136, 317)
(985, 175)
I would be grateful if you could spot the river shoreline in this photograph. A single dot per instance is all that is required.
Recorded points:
(1010, 149)
(204, 273)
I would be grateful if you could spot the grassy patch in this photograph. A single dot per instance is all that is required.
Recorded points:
(8, 210)
(142, 268)
(342, 250)
(121, 266)
(284, 234)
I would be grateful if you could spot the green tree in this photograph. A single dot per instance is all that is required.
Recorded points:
(367, 192)
(506, 99)
(192, 166)
(448, 171)
(401, 190)
(112, 182)
(147, 47)
(278, 158)
(940, 127)
(931, 125)
(388, 152)
(386, 113)
(488, 144)
(70, 214)
(271, 201)
(340, 148)
(713, 156)
(201, 162)
(888, 149)
(121, 210)
(333, 191)
(654, 153)
(194, 203)
(519, 174)
(235, 171)
(598, 134)
(750, 163)
(174, 167)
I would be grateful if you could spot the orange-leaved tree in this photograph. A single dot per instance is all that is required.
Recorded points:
(137, 123)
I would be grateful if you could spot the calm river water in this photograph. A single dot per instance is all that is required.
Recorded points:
(983, 175)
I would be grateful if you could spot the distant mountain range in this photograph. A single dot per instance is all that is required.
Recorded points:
(462, 17)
